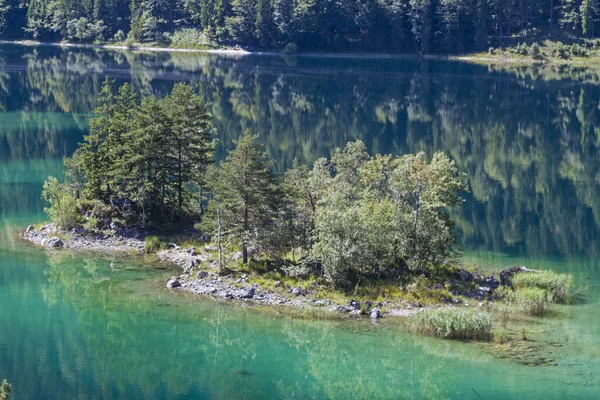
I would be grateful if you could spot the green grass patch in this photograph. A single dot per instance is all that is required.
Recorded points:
(530, 300)
(152, 244)
(454, 323)
(556, 286)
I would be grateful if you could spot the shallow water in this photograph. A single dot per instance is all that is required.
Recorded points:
(97, 327)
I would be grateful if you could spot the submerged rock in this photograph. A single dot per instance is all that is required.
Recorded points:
(173, 283)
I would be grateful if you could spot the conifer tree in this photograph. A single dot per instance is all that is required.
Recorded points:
(191, 142)
(246, 192)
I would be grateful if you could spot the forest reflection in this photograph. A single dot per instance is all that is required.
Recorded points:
(526, 137)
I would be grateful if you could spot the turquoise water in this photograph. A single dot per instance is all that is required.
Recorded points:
(96, 327)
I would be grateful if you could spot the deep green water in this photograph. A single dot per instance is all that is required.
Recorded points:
(89, 328)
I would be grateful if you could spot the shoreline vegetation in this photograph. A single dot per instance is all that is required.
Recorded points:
(354, 233)
(551, 54)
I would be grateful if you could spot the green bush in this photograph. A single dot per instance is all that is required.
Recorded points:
(152, 244)
(534, 51)
(63, 210)
(455, 323)
(530, 300)
(556, 286)
(5, 389)
(119, 36)
(290, 48)
(189, 38)
(92, 223)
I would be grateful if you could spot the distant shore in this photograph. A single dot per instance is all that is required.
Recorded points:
(123, 47)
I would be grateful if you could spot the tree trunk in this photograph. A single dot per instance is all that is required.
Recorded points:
(219, 240)
(244, 244)
(180, 179)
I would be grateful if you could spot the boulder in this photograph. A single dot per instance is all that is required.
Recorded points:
(465, 275)
(191, 251)
(354, 304)
(173, 283)
(30, 228)
(376, 313)
(248, 293)
(54, 241)
(298, 291)
(492, 282)
(201, 275)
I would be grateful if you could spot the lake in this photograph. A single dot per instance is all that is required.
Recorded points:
(90, 327)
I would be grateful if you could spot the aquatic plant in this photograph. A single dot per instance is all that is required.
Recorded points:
(5, 389)
(454, 323)
(530, 300)
(557, 286)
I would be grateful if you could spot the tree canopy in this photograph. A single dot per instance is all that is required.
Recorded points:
(416, 26)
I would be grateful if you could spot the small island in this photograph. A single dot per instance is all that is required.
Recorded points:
(354, 234)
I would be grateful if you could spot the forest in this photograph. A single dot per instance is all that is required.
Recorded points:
(397, 26)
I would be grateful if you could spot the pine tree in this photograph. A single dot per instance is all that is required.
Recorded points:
(283, 17)
(246, 192)
(191, 143)
(264, 21)
(93, 151)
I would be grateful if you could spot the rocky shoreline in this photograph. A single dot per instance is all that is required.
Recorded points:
(200, 275)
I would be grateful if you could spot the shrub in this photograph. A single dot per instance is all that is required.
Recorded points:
(557, 287)
(530, 300)
(190, 39)
(5, 389)
(152, 244)
(534, 51)
(92, 223)
(63, 210)
(119, 36)
(455, 323)
(290, 48)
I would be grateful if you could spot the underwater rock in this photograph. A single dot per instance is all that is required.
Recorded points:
(173, 283)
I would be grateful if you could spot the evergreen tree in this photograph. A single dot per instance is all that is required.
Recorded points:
(283, 17)
(264, 21)
(191, 146)
(246, 193)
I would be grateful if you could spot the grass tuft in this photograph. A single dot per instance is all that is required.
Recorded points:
(454, 323)
(530, 300)
(152, 244)
(557, 286)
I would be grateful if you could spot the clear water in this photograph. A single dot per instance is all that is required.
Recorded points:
(97, 327)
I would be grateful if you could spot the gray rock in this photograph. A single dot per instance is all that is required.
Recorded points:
(237, 256)
(30, 228)
(298, 291)
(277, 283)
(248, 294)
(354, 304)
(201, 275)
(54, 242)
(173, 283)
(465, 275)
(376, 313)
(172, 246)
(191, 251)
